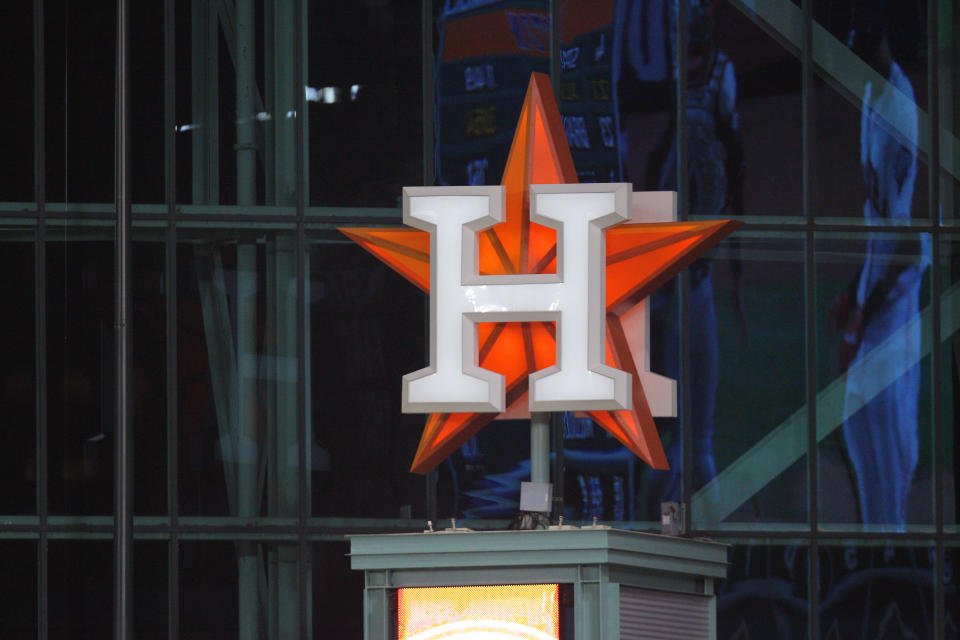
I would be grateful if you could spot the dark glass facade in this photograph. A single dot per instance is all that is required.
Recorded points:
(817, 350)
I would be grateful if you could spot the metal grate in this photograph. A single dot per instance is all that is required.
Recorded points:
(648, 614)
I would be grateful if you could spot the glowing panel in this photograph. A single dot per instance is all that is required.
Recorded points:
(501, 612)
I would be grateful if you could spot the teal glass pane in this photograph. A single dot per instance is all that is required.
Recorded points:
(80, 364)
(747, 384)
(149, 378)
(882, 590)
(870, 124)
(950, 377)
(874, 422)
(18, 591)
(337, 592)
(765, 594)
(364, 102)
(80, 589)
(235, 113)
(79, 75)
(237, 373)
(238, 589)
(17, 118)
(367, 329)
(948, 59)
(18, 450)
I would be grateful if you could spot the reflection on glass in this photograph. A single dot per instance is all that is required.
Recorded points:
(950, 372)
(18, 589)
(951, 606)
(80, 370)
(877, 320)
(18, 438)
(80, 589)
(882, 591)
(714, 184)
(752, 358)
(486, 52)
(237, 374)
(879, 77)
(765, 593)
(239, 590)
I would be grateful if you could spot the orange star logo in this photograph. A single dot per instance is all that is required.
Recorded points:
(640, 258)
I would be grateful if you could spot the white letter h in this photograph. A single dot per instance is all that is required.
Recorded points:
(573, 298)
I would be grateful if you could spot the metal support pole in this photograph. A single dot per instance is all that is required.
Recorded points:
(246, 146)
(539, 446)
(123, 470)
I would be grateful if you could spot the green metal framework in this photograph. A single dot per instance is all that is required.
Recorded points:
(284, 226)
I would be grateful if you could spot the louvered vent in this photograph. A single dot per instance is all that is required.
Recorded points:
(646, 614)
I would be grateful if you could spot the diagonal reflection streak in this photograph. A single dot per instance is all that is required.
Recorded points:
(787, 442)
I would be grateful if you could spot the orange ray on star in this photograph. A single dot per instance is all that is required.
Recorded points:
(640, 258)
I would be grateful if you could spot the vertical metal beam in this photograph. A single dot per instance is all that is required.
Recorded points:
(303, 414)
(683, 211)
(40, 309)
(933, 185)
(123, 472)
(427, 90)
(810, 322)
(246, 146)
(205, 61)
(170, 278)
(539, 446)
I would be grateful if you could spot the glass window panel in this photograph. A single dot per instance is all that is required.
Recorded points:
(870, 127)
(363, 101)
(876, 591)
(16, 114)
(237, 360)
(948, 19)
(367, 329)
(80, 584)
(80, 368)
(744, 142)
(481, 83)
(149, 345)
(951, 605)
(744, 147)
(238, 589)
(765, 592)
(150, 589)
(18, 589)
(337, 596)
(146, 114)
(588, 35)
(229, 111)
(80, 65)
(747, 349)
(643, 49)
(18, 437)
(873, 401)
(950, 372)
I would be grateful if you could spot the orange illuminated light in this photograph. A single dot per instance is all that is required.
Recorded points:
(640, 258)
(502, 612)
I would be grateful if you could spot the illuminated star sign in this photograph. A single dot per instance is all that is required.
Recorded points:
(503, 302)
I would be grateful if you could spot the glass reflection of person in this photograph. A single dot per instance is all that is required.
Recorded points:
(880, 429)
(715, 187)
